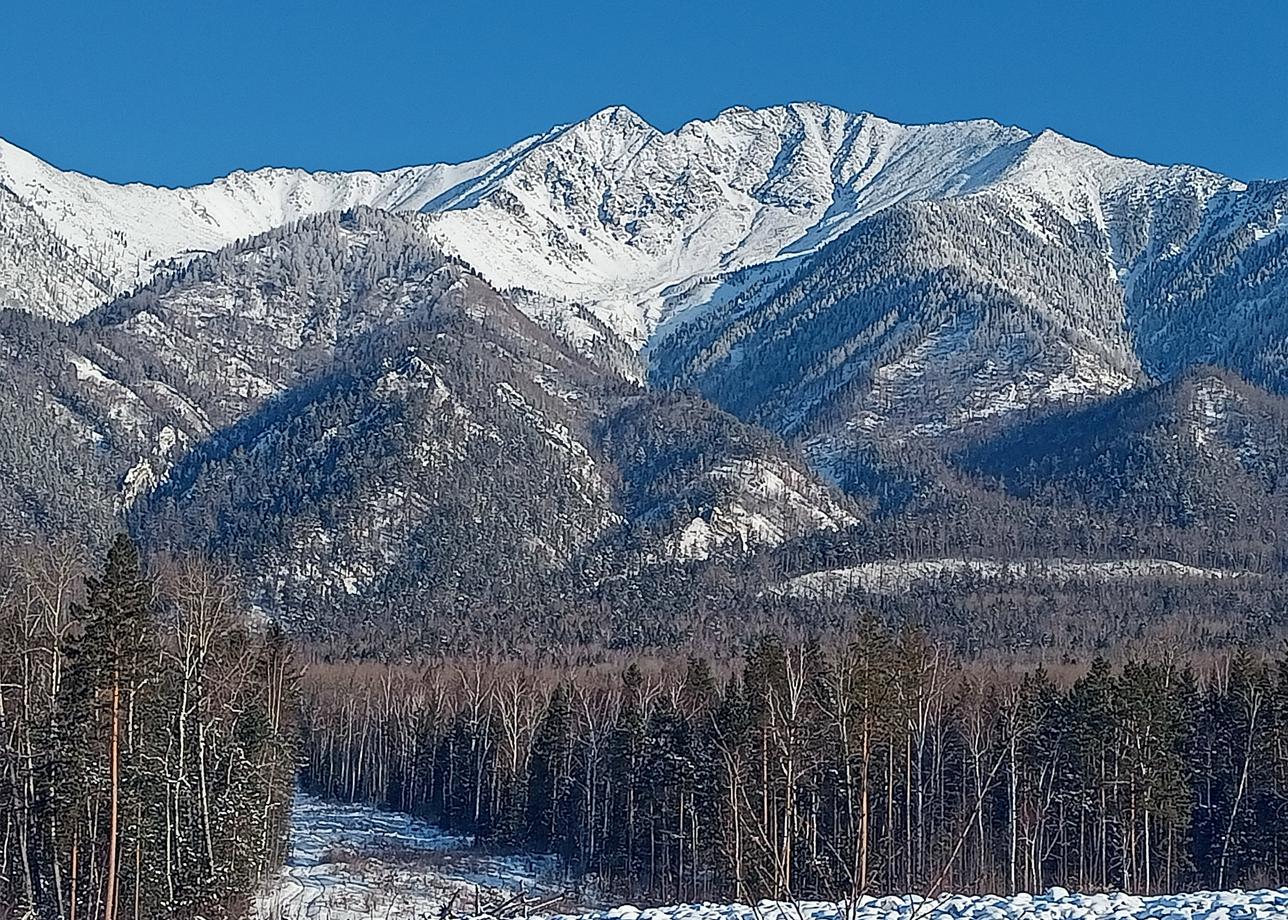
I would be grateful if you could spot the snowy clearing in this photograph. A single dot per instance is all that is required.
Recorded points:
(356, 861)
(898, 576)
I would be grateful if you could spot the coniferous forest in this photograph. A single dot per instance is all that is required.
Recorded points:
(148, 750)
(874, 765)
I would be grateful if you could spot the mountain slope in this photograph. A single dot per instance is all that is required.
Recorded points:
(1219, 294)
(615, 230)
(1205, 454)
(635, 221)
(124, 234)
(925, 318)
(610, 210)
(367, 426)
(698, 482)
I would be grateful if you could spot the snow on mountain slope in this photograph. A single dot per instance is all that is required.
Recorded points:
(766, 503)
(1216, 293)
(1085, 184)
(125, 233)
(633, 221)
(40, 271)
(924, 319)
(702, 483)
(620, 215)
(1047, 272)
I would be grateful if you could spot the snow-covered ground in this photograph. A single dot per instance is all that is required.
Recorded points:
(1056, 904)
(898, 576)
(352, 861)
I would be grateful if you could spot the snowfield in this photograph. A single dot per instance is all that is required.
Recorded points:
(899, 576)
(354, 861)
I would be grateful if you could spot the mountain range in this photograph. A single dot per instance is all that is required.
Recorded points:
(796, 338)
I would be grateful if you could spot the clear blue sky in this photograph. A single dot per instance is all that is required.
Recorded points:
(177, 93)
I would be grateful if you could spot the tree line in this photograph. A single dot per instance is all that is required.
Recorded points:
(874, 765)
(147, 740)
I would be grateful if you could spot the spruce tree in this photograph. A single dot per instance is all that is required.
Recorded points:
(549, 771)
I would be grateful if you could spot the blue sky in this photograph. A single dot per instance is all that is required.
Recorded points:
(177, 93)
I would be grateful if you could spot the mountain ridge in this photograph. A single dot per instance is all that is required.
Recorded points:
(785, 178)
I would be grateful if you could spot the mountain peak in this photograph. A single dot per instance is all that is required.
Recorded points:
(18, 165)
(633, 222)
(620, 118)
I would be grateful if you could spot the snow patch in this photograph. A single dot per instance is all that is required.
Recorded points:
(899, 576)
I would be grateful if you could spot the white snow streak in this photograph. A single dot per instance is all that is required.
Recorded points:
(1056, 904)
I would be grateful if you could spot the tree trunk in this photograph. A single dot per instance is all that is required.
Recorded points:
(114, 768)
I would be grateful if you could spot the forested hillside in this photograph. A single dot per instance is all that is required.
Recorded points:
(1202, 458)
(378, 440)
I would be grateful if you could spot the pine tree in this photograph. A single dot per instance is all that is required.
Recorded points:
(625, 755)
(110, 663)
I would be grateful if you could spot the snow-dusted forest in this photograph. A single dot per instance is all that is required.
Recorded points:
(155, 731)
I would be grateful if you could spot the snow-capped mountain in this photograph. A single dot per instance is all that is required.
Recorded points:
(848, 292)
(618, 213)
(121, 235)
(641, 223)
(613, 222)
